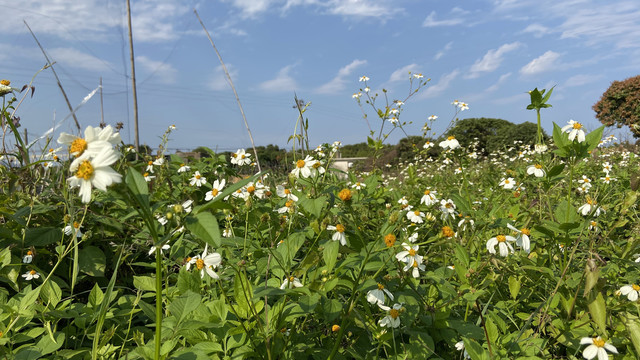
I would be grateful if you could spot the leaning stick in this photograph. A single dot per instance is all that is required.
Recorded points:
(226, 72)
(50, 64)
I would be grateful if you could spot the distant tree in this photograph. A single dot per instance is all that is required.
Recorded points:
(620, 105)
(493, 134)
(483, 130)
(205, 152)
(407, 146)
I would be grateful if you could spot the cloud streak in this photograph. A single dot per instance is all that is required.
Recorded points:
(492, 60)
(543, 63)
(339, 82)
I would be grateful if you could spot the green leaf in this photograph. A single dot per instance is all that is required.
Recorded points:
(204, 226)
(92, 261)
(226, 192)
(309, 303)
(560, 138)
(556, 170)
(598, 310)
(188, 281)
(51, 293)
(314, 206)
(182, 305)
(330, 254)
(29, 297)
(144, 283)
(42, 236)
(138, 187)
(219, 309)
(593, 138)
(633, 328)
(96, 296)
(475, 350)
(243, 293)
(514, 286)
(48, 345)
(332, 308)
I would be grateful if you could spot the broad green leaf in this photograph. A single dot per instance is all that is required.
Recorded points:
(96, 296)
(632, 324)
(598, 310)
(30, 297)
(92, 261)
(475, 350)
(332, 308)
(182, 305)
(314, 206)
(144, 283)
(138, 187)
(204, 226)
(42, 236)
(51, 293)
(309, 303)
(330, 254)
(188, 281)
(243, 293)
(593, 138)
(514, 286)
(48, 345)
(219, 309)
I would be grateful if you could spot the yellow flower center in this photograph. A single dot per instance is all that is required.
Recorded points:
(525, 231)
(598, 342)
(316, 165)
(335, 328)
(412, 252)
(635, 287)
(447, 232)
(538, 166)
(85, 170)
(340, 228)
(289, 203)
(149, 162)
(390, 239)
(234, 155)
(416, 213)
(427, 192)
(145, 174)
(291, 278)
(78, 146)
(198, 176)
(214, 192)
(507, 181)
(394, 313)
(5, 82)
(200, 264)
(287, 191)
(300, 164)
(578, 126)
(447, 205)
(76, 225)
(29, 252)
(415, 263)
(251, 189)
(187, 259)
(181, 165)
(593, 223)
(501, 238)
(243, 156)
(32, 272)
(380, 286)
(451, 138)
(345, 194)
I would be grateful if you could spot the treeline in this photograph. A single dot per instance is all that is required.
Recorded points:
(489, 134)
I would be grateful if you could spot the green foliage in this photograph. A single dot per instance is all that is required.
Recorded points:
(620, 105)
(492, 134)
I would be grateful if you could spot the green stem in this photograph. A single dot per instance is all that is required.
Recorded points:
(158, 301)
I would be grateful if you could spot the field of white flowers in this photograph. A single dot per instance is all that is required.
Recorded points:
(531, 252)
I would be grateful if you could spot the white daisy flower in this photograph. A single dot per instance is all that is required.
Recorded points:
(94, 172)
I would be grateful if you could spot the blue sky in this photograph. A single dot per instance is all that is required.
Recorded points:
(487, 53)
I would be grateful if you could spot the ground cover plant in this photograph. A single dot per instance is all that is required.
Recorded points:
(528, 252)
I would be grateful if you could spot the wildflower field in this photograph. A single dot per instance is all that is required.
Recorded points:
(529, 252)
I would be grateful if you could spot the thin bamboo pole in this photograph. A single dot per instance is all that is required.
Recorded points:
(133, 81)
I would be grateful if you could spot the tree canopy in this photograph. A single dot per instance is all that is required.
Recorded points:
(620, 105)
(493, 134)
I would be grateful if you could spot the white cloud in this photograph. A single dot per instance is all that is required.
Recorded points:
(282, 82)
(543, 63)
(402, 74)
(442, 84)
(500, 81)
(339, 82)
(360, 8)
(537, 30)
(70, 57)
(252, 8)
(159, 70)
(431, 21)
(219, 81)
(582, 79)
(491, 60)
(443, 51)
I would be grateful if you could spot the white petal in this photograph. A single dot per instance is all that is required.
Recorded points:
(590, 352)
